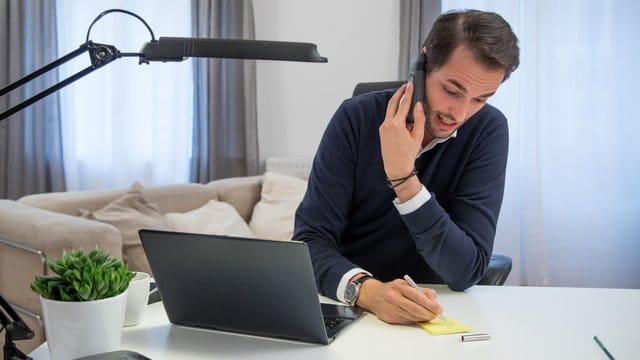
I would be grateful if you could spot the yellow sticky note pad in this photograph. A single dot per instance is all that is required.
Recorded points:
(442, 327)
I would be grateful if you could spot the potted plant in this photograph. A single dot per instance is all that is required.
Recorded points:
(83, 303)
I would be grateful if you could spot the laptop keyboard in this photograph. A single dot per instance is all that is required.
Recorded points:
(331, 321)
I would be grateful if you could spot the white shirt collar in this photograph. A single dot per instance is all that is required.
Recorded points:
(435, 142)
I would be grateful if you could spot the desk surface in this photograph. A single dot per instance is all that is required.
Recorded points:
(525, 323)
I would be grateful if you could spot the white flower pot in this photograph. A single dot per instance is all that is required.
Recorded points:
(83, 328)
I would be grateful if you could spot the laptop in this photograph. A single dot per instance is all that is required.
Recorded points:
(241, 285)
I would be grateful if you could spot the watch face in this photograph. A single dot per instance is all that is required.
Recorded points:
(351, 292)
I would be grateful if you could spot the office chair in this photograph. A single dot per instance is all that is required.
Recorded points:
(497, 271)
(499, 265)
(366, 87)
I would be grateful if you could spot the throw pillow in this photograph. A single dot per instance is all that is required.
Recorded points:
(273, 215)
(215, 217)
(130, 213)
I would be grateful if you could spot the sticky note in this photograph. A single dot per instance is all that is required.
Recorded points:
(442, 327)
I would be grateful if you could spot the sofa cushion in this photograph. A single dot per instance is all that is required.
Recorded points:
(240, 192)
(176, 198)
(273, 215)
(130, 213)
(180, 197)
(216, 217)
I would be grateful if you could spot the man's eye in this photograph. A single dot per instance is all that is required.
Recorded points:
(450, 92)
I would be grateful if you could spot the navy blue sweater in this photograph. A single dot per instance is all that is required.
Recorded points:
(347, 216)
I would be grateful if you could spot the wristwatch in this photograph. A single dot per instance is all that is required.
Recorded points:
(353, 289)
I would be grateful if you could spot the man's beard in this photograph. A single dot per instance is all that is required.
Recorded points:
(430, 118)
(428, 123)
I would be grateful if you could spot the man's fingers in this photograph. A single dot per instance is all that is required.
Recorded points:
(431, 294)
(412, 304)
(415, 311)
(400, 103)
(392, 106)
(419, 118)
(405, 103)
(424, 301)
(409, 312)
(397, 302)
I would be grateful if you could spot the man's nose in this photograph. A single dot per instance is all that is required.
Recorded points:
(460, 109)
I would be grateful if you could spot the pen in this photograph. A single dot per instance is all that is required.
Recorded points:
(413, 284)
(601, 345)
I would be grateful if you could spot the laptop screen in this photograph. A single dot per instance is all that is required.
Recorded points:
(251, 286)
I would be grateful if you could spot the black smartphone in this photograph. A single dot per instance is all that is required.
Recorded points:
(416, 75)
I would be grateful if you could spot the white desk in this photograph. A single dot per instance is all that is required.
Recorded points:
(525, 323)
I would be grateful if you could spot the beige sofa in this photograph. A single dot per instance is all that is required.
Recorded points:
(41, 226)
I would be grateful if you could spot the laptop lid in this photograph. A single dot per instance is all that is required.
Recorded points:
(251, 286)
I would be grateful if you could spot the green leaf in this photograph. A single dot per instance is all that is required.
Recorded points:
(83, 276)
(65, 296)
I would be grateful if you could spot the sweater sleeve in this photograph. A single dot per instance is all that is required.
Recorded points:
(323, 212)
(457, 242)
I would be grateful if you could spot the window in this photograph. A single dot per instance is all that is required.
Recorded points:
(125, 122)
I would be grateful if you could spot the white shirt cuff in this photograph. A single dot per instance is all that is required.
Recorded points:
(344, 281)
(414, 203)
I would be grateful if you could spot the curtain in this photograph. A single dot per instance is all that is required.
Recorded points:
(225, 138)
(416, 19)
(30, 140)
(572, 199)
(125, 122)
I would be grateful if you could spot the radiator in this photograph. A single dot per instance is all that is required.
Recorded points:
(298, 166)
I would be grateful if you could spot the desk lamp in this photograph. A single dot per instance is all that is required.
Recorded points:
(165, 49)
(15, 328)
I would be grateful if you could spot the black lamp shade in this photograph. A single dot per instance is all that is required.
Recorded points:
(177, 49)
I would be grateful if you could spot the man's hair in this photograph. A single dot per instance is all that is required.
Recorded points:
(487, 34)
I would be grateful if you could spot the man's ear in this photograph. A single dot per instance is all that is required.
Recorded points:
(423, 50)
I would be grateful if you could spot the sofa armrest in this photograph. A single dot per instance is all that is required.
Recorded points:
(28, 235)
(52, 232)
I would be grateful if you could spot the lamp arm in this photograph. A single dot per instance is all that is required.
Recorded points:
(165, 49)
(15, 328)
(100, 55)
(43, 70)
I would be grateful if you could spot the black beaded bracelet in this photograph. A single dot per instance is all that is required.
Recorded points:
(392, 183)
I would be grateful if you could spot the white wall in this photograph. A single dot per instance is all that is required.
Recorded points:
(296, 100)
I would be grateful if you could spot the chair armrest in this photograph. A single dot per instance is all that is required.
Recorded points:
(498, 270)
(51, 232)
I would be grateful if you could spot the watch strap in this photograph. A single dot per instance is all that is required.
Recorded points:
(362, 279)
(357, 283)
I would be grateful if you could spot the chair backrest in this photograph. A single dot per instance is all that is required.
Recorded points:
(366, 87)
(499, 265)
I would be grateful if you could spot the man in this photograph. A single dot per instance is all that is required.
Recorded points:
(386, 199)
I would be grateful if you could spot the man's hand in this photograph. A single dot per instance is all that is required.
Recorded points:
(400, 143)
(396, 302)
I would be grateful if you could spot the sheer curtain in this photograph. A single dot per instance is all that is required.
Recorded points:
(571, 211)
(125, 122)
